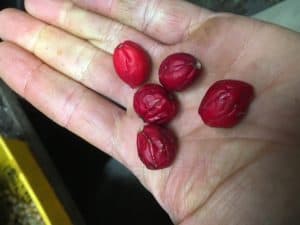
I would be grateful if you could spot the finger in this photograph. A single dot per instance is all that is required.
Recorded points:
(63, 100)
(64, 52)
(99, 30)
(169, 21)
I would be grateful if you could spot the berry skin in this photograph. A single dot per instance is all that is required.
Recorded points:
(154, 104)
(178, 71)
(226, 103)
(131, 63)
(157, 146)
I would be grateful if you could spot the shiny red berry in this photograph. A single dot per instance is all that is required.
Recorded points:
(178, 71)
(157, 146)
(131, 63)
(226, 103)
(154, 104)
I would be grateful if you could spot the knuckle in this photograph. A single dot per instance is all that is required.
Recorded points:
(30, 77)
(38, 37)
(67, 10)
(71, 104)
(5, 11)
(149, 14)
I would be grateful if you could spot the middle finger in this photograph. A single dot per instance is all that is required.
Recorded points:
(101, 31)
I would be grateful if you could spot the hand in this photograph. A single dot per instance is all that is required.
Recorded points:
(243, 175)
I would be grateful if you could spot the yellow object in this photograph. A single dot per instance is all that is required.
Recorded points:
(29, 182)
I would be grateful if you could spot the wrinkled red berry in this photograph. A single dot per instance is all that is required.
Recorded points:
(178, 71)
(156, 146)
(154, 104)
(225, 103)
(131, 63)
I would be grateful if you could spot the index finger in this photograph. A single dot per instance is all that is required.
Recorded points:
(168, 21)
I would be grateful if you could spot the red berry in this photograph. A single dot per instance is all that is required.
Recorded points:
(156, 146)
(154, 104)
(225, 103)
(178, 71)
(131, 63)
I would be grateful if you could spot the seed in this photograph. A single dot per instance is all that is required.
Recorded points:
(225, 103)
(157, 146)
(178, 71)
(131, 63)
(154, 104)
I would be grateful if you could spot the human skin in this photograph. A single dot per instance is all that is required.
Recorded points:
(245, 175)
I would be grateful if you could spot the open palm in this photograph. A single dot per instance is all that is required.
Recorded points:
(65, 70)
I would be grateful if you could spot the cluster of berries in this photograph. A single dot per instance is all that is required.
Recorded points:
(224, 104)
